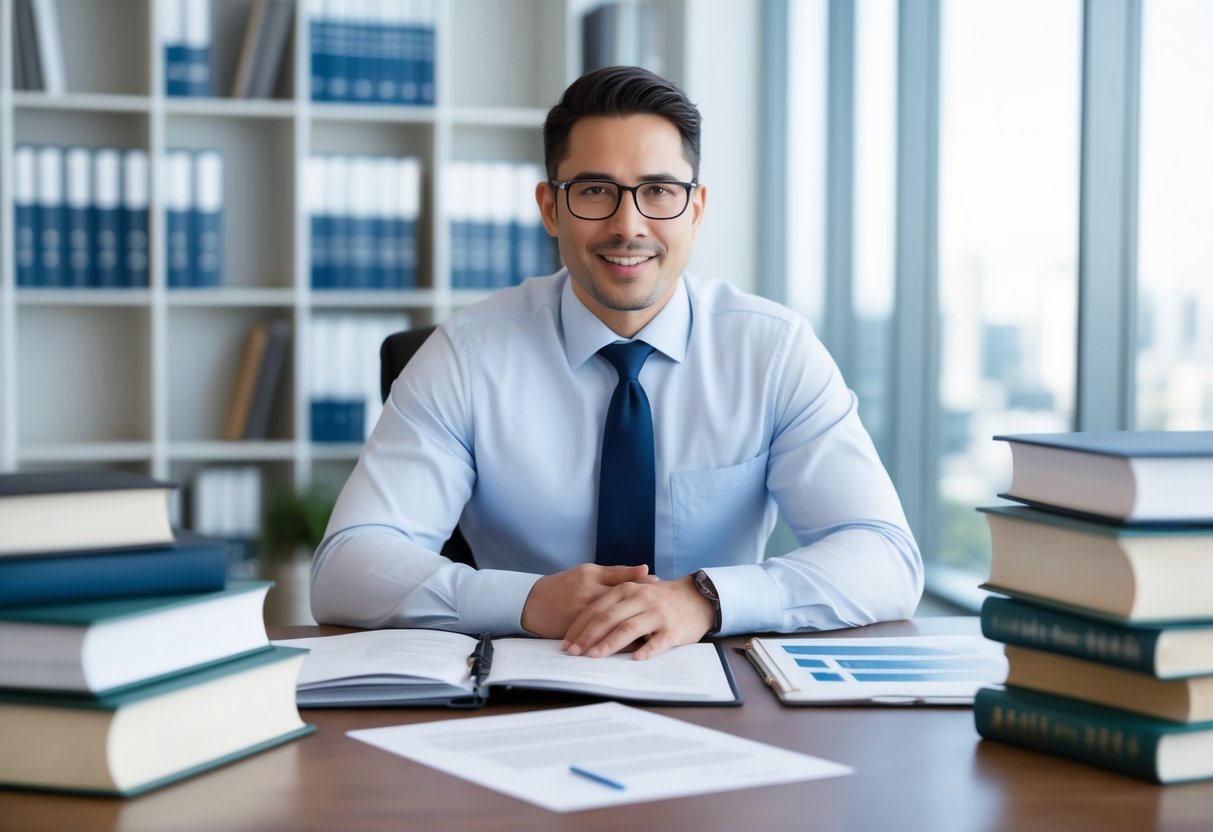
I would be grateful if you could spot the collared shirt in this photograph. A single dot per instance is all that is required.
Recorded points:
(496, 425)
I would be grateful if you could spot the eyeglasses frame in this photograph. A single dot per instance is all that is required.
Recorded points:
(564, 186)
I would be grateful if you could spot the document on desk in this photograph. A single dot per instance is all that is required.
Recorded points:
(907, 670)
(587, 757)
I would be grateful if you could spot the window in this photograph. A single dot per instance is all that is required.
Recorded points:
(1008, 248)
(1174, 315)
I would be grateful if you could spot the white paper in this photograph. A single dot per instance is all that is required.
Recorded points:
(653, 757)
(932, 670)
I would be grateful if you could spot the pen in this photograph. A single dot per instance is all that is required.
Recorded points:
(597, 778)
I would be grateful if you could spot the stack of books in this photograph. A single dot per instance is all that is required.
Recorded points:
(127, 660)
(1109, 624)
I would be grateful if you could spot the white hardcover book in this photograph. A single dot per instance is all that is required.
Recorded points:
(501, 206)
(78, 197)
(314, 204)
(387, 225)
(207, 248)
(362, 196)
(407, 192)
(136, 200)
(107, 221)
(51, 226)
(25, 209)
(337, 195)
(197, 36)
(179, 201)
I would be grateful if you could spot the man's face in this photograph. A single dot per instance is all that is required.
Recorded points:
(624, 268)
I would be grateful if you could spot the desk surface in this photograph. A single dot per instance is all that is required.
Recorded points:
(917, 769)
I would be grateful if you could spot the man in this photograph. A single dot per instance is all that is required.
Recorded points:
(505, 423)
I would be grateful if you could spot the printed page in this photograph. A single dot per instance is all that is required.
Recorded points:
(940, 670)
(691, 672)
(621, 755)
(384, 657)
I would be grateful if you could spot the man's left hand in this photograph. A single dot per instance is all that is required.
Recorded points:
(664, 614)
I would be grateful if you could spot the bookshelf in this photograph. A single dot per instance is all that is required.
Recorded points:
(140, 378)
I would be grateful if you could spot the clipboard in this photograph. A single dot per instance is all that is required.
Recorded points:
(907, 670)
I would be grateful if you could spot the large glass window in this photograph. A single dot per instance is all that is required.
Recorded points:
(805, 181)
(1008, 247)
(1174, 389)
(875, 203)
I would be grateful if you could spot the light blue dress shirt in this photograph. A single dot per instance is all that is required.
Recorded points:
(496, 424)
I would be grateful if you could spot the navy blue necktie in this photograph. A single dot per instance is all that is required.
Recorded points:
(627, 485)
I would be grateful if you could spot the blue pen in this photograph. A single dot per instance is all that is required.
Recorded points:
(597, 778)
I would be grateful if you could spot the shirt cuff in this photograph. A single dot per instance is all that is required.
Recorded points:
(749, 600)
(491, 601)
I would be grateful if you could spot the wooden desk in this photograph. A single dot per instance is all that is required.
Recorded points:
(917, 769)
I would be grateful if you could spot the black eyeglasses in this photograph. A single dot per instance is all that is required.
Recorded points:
(599, 199)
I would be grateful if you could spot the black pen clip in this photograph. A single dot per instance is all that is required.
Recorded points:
(481, 660)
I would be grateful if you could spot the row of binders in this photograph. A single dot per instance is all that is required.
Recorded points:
(343, 384)
(131, 634)
(1107, 616)
(80, 216)
(363, 213)
(372, 51)
(497, 235)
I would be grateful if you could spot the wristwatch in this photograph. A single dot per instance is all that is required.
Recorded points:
(708, 590)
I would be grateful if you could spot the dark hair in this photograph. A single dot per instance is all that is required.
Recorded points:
(620, 91)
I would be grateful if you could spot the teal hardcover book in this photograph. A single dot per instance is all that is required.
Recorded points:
(147, 736)
(97, 647)
(1164, 752)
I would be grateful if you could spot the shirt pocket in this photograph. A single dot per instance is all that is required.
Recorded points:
(718, 515)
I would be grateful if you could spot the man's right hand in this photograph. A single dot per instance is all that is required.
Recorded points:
(555, 601)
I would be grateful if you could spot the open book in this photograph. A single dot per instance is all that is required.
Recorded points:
(435, 667)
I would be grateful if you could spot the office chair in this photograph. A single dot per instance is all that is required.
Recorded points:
(395, 352)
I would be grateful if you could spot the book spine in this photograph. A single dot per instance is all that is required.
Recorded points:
(501, 231)
(207, 225)
(457, 189)
(25, 214)
(387, 225)
(1012, 622)
(197, 31)
(317, 27)
(178, 205)
(318, 220)
(55, 580)
(1032, 722)
(407, 214)
(107, 218)
(361, 224)
(78, 168)
(172, 40)
(337, 198)
(136, 199)
(50, 46)
(52, 224)
(339, 48)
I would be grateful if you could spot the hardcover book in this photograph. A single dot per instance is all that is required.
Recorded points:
(98, 647)
(1165, 651)
(192, 563)
(1134, 573)
(146, 737)
(58, 511)
(435, 667)
(1175, 700)
(1139, 746)
(1117, 476)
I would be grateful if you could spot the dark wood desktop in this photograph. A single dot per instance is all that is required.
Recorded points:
(916, 769)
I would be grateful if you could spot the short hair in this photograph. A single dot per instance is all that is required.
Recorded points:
(617, 91)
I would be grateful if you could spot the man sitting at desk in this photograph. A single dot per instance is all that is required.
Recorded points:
(614, 440)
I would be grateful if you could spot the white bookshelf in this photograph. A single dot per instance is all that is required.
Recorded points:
(141, 378)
